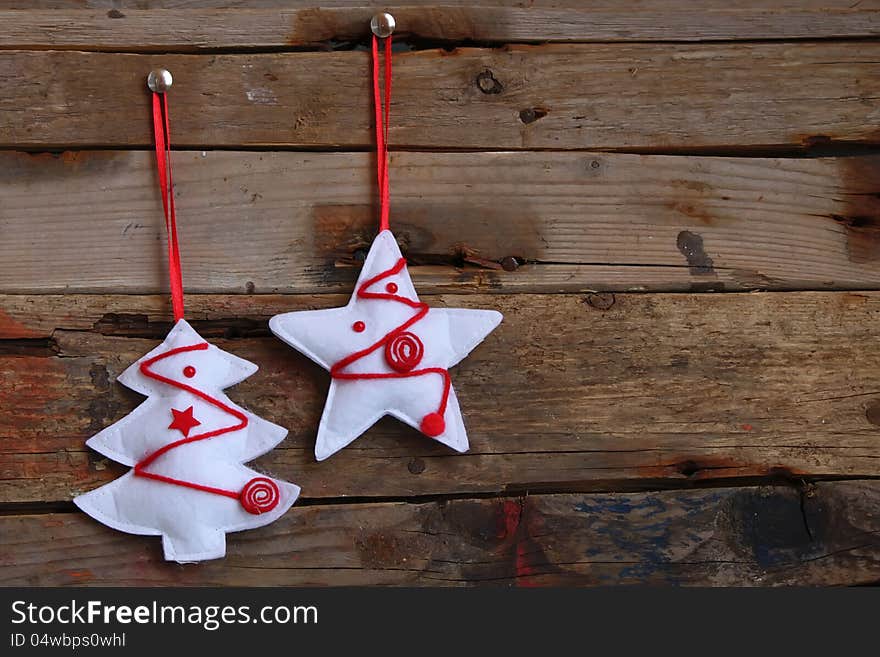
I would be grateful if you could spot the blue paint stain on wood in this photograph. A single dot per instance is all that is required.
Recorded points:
(764, 527)
(646, 528)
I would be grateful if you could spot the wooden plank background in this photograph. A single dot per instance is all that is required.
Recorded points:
(677, 212)
(577, 96)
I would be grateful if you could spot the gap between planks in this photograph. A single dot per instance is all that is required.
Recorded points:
(781, 480)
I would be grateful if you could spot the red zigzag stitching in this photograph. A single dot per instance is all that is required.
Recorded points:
(140, 467)
(432, 424)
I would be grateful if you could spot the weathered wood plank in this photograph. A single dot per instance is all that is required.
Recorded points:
(619, 96)
(828, 534)
(295, 222)
(121, 26)
(571, 392)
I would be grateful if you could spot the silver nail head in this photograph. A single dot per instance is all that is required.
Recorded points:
(382, 25)
(159, 80)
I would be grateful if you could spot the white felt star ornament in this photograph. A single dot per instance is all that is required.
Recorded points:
(387, 354)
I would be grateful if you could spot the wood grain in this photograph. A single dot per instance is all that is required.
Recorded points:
(827, 534)
(571, 393)
(191, 26)
(300, 222)
(612, 96)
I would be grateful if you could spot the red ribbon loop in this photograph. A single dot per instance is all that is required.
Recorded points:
(162, 135)
(382, 128)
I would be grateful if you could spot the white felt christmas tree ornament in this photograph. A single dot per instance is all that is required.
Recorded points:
(187, 443)
(387, 352)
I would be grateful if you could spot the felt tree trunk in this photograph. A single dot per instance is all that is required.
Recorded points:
(186, 445)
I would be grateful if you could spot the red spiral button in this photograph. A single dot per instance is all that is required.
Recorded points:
(404, 351)
(259, 495)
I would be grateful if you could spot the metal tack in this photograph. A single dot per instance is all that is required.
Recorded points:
(159, 80)
(382, 25)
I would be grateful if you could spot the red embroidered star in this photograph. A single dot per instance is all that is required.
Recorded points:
(184, 421)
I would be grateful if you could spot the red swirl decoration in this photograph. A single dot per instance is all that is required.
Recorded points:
(403, 351)
(259, 495)
(140, 468)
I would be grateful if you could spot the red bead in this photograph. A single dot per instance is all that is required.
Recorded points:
(189, 371)
(358, 327)
(392, 288)
(433, 425)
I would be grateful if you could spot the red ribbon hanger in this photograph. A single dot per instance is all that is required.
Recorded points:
(403, 349)
(162, 132)
(382, 128)
(260, 494)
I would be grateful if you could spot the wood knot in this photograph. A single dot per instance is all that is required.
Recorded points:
(488, 83)
(600, 300)
(532, 114)
(416, 465)
(812, 141)
(872, 413)
(510, 263)
(689, 468)
(691, 247)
